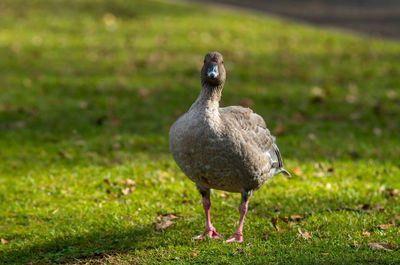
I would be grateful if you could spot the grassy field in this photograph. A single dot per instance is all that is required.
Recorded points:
(89, 89)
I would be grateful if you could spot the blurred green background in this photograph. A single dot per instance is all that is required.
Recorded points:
(89, 90)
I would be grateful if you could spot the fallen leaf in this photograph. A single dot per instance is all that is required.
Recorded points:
(165, 220)
(194, 253)
(142, 92)
(355, 244)
(392, 192)
(366, 233)
(355, 116)
(164, 224)
(169, 216)
(295, 218)
(378, 246)
(284, 219)
(377, 131)
(128, 182)
(223, 195)
(317, 95)
(280, 129)
(384, 226)
(351, 99)
(324, 254)
(127, 190)
(304, 235)
(274, 222)
(3, 241)
(297, 171)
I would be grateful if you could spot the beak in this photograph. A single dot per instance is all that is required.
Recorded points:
(212, 71)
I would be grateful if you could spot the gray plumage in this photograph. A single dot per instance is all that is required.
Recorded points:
(229, 148)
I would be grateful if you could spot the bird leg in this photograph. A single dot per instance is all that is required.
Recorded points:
(238, 235)
(210, 230)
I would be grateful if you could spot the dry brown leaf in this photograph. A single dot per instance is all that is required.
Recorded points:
(317, 95)
(284, 218)
(366, 233)
(355, 244)
(3, 241)
(127, 190)
(378, 246)
(194, 253)
(223, 195)
(164, 224)
(295, 218)
(392, 192)
(297, 171)
(324, 254)
(142, 92)
(274, 222)
(128, 182)
(304, 235)
(384, 226)
(280, 129)
(170, 216)
(165, 220)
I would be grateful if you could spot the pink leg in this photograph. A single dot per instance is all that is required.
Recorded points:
(238, 235)
(210, 230)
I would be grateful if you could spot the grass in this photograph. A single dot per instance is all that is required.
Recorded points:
(89, 90)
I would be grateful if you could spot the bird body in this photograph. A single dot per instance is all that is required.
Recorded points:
(227, 149)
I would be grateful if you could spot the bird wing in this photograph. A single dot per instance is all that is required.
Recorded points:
(255, 132)
(251, 125)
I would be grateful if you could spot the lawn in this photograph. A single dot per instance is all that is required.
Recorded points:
(89, 90)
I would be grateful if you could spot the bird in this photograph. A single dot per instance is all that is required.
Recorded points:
(229, 148)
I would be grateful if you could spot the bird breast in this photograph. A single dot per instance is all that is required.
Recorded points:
(214, 157)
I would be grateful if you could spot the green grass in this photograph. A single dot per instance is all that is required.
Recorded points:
(89, 90)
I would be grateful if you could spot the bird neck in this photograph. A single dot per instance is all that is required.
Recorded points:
(210, 94)
(208, 100)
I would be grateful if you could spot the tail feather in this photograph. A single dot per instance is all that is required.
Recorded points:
(278, 165)
(285, 173)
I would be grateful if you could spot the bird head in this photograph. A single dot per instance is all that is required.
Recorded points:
(213, 71)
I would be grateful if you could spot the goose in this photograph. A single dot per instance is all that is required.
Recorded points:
(228, 149)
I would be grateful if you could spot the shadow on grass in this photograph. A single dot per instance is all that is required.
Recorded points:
(91, 245)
